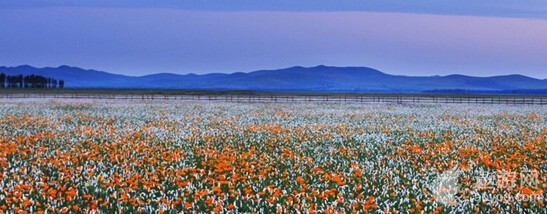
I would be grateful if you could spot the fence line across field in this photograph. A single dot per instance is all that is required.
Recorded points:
(296, 98)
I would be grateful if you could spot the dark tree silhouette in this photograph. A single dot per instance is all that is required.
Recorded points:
(12, 81)
(2, 80)
(29, 81)
(20, 81)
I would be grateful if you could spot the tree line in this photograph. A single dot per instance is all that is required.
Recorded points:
(29, 81)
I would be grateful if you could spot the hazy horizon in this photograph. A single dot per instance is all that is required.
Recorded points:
(266, 69)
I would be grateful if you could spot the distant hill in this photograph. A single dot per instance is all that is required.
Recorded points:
(319, 78)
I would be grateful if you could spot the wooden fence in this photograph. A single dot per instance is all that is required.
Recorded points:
(279, 98)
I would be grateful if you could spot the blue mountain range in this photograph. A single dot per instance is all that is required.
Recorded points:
(319, 78)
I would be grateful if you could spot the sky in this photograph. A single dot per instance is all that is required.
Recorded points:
(404, 37)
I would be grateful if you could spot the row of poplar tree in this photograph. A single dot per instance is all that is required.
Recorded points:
(29, 81)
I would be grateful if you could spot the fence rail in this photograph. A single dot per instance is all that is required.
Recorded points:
(296, 98)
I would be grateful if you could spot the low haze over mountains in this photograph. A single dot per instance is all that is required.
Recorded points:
(319, 78)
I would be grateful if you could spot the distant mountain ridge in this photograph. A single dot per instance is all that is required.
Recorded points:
(318, 78)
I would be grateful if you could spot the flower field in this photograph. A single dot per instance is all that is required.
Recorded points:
(181, 157)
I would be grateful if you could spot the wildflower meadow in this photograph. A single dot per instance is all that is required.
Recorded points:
(91, 156)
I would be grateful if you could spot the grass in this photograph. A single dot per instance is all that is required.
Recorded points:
(110, 91)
